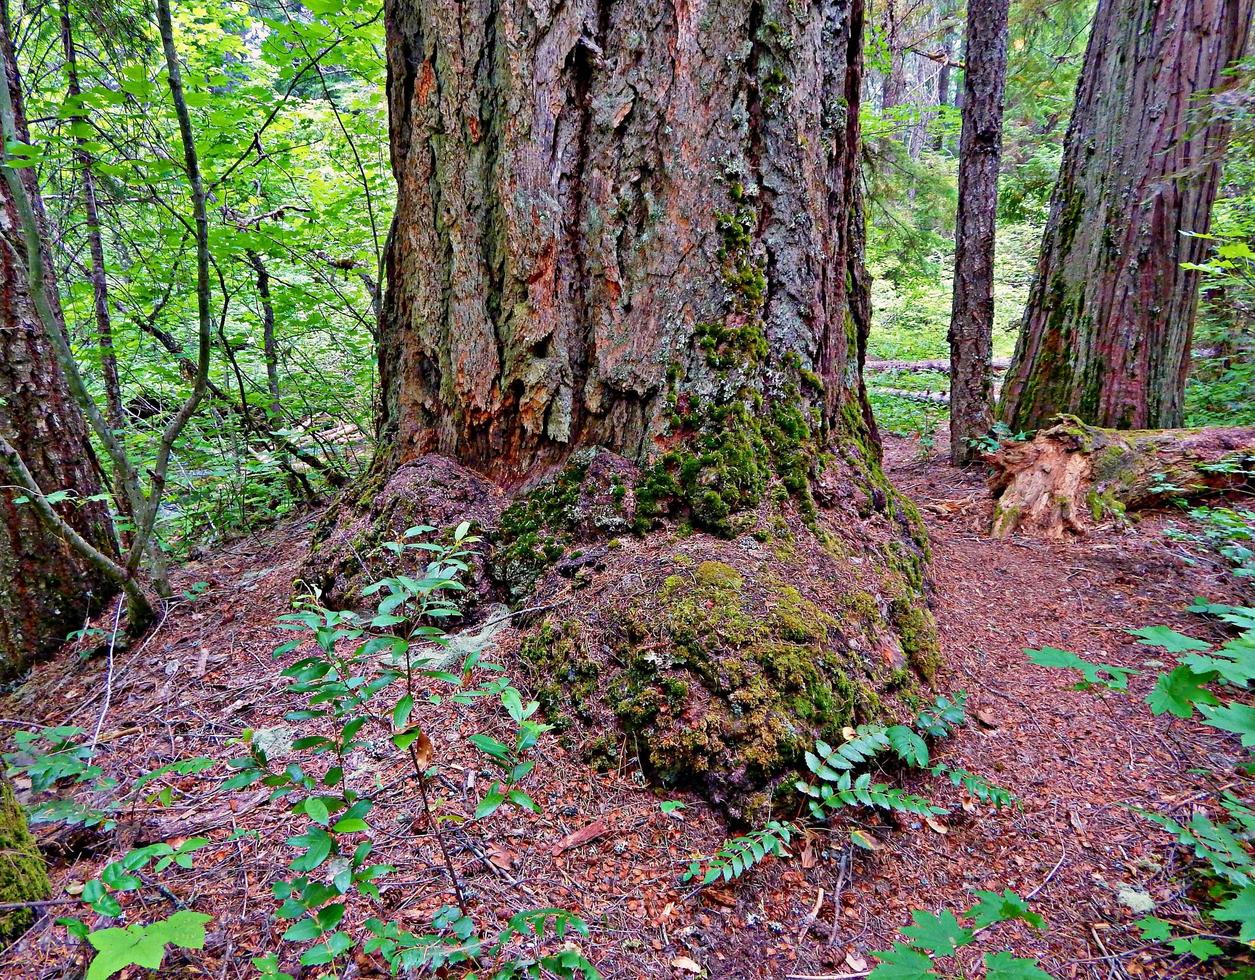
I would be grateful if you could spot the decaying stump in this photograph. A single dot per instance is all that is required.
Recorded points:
(1073, 475)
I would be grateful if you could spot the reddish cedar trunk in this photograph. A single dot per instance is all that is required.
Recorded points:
(972, 315)
(625, 225)
(1107, 331)
(46, 590)
(625, 286)
(634, 226)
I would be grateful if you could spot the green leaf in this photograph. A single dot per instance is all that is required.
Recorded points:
(144, 946)
(1004, 966)
(120, 948)
(939, 934)
(1234, 717)
(903, 963)
(1168, 639)
(1198, 947)
(401, 713)
(1154, 930)
(1240, 909)
(489, 804)
(993, 908)
(1116, 679)
(1178, 692)
(316, 810)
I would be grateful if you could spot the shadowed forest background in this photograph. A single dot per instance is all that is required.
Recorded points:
(740, 488)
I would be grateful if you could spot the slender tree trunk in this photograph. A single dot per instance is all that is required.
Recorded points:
(268, 335)
(626, 268)
(47, 589)
(100, 288)
(1107, 331)
(943, 76)
(972, 314)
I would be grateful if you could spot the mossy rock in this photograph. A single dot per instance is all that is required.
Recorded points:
(23, 874)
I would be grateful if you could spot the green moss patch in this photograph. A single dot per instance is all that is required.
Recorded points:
(23, 875)
(717, 678)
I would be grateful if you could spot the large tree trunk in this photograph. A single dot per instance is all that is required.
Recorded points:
(1072, 476)
(625, 292)
(980, 148)
(1107, 330)
(46, 588)
(624, 225)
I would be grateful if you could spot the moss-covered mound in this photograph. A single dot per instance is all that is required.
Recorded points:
(717, 663)
(23, 876)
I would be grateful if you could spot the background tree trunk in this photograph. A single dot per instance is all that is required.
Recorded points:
(980, 148)
(46, 589)
(1107, 330)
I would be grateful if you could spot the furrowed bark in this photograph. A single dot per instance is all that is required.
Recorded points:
(625, 291)
(1107, 330)
(600, 225)
(980, 148)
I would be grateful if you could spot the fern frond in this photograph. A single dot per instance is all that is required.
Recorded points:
(740, 854)
(908, 746)
(976, 786)
(943, 715)
(828, 763)
(847, 791)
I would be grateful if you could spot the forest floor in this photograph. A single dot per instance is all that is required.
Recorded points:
(1079, 764)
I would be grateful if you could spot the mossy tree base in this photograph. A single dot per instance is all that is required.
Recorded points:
(1072, 476)
(23, 875)
(715, 661)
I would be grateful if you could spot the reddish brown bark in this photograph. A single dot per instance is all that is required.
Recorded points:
(980, 148)
(46, 589)
(1107, 331)
(610, 211)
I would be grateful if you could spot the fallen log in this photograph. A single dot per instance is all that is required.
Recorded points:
(935, 397)
(1073, 476)
(999, 364)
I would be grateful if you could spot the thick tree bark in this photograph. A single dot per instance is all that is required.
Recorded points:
(46, 588)
(622, 225)
(1073, 475)
(980, 148)
(1107, 330)
(625, 286)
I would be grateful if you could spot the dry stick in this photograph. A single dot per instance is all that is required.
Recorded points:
(846, 856)
(104, 708)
